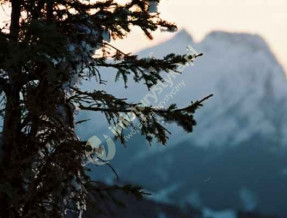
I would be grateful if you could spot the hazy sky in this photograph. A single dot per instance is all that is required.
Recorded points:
(265, 17)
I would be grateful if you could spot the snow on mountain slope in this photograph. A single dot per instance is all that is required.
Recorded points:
(248, 83)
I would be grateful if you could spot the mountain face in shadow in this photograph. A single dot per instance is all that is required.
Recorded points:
(236, 158)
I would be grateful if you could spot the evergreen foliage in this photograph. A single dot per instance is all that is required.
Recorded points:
(46, 49)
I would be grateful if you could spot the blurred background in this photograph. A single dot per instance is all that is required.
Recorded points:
(234, 164)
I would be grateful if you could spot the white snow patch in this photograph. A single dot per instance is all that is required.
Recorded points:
(208, 213)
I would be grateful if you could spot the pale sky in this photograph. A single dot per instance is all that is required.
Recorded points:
(267, 18)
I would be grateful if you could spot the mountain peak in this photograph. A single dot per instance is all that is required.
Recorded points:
(254, 41)
(183, 34)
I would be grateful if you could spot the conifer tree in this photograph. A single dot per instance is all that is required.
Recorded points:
(46, 49)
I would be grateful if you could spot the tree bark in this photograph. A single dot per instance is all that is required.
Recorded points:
(15, 17)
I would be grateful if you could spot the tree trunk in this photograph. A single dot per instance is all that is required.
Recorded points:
(15, 16)
(12, 122)
(11, 126)
(10, 141)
